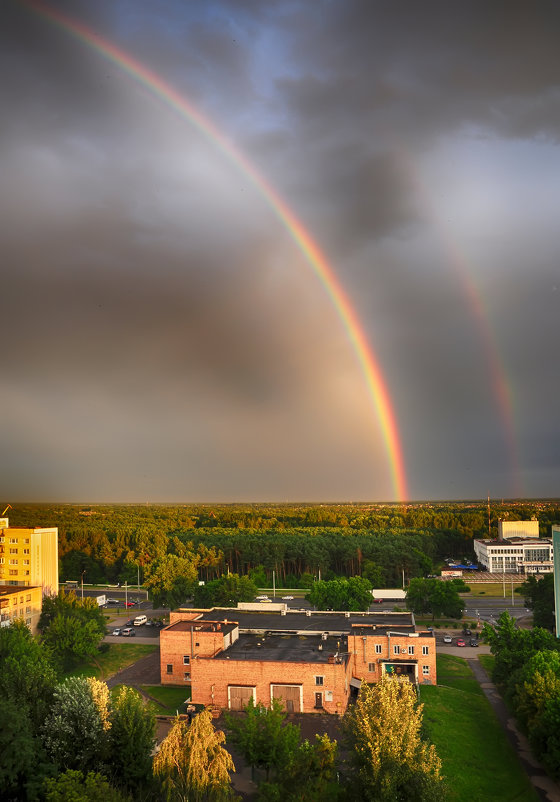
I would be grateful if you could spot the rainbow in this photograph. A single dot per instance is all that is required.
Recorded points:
(498, 380)
(377, 387)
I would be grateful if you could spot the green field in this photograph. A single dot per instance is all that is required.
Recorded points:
(171, 699)
(478, 760)
(493, 589)
(113, 659)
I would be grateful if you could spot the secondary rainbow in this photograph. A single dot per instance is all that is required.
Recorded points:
(369, 364)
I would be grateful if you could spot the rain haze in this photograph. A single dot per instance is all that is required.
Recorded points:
(166, 336)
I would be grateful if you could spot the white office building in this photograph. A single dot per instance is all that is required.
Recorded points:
(516, 554)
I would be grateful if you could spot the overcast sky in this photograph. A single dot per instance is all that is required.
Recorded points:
(163, 338)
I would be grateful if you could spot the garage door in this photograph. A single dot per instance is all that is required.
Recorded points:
(289, 695)
(239, 696)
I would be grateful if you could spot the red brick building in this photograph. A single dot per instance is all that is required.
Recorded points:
(312, 662)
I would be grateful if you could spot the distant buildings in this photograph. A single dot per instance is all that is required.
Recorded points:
(518, 549)
(28, 571)
(310, 661)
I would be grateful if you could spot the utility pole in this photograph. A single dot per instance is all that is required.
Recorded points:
(489, 535)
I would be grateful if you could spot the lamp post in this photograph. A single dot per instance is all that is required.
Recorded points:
(83, 572)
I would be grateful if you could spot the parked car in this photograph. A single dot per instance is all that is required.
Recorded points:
(159, 624)
(112, 601)
(447, 639)
(128, 633)
(473, 642)
(461, 642)
(149, 622)
(130, 622)
(378, 601)
(266, 601)
(467, 632)
(116, 632)
(260, 598)
(287, 598)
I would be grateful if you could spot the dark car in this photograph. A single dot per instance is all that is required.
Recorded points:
(130, 622)
(461, 642)
(467, 632)
(159, 624)
(473, 642)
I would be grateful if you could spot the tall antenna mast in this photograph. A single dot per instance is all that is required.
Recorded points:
(489, 535)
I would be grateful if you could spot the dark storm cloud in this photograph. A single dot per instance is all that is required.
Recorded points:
(158, 320)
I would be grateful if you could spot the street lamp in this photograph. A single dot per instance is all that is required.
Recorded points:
(83, 572)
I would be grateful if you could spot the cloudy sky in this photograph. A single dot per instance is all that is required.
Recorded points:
(165, 339)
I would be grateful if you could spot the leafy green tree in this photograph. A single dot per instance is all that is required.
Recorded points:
(310, 776)
(75, 731)
(538, 682)
(69, 605)
(341, 594)
(513, 648)
(192, 765)
(72, 640)
(27, 676)
(389, 760)
(19, 751)
(544, 737)
(263, 737)
(225, 592)
(434, 597)
(539, 597)
(131, 740)
(73, 786)
(172, 579)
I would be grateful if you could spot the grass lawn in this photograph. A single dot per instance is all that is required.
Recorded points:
(492, 589)
(171, 699)
(113, 659)
(478, 760)
(487, 662)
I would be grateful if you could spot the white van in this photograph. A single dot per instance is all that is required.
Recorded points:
(139, 620)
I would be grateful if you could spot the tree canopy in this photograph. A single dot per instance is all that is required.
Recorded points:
(435, 597)
(352, 594)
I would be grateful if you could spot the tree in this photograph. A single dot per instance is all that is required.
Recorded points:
(225, 592)
(263, 737)
(310, 776)
(435, 597)
(131, 740)
(513, 648)
(539, 597)
(539, 681)
(192, 765)
(75, 731)
(27, 676)
(73, 786)
(341, 594)
(72, 628)
(18, 752)
(390, 761)
(172, 579)
(72, 640)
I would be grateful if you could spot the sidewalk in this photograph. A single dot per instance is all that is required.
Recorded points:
(544, 786)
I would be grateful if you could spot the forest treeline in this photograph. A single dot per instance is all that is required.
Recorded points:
(119, 542)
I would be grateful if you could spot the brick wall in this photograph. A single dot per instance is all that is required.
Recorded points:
(396, 649)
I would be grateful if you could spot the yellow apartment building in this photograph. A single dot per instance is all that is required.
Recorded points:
(29, 557)
(20, 602)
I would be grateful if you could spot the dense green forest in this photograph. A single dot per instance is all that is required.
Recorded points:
(379, 541)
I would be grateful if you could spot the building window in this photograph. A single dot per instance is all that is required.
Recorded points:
(378, 648)
(187, 676)
(13, 562)
(197, 644)
(13, 540)
(396, 650)
(319, 680)
(426, 671)
(26, 551)
(28, 609)
(425, 650)
(13, 551)
(28, 597)
(186, 659)
(169, 668)
(371, 668)
(411, 649)
(28, 621)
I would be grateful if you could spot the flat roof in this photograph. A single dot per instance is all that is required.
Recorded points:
(287, 648)
(5, 589)
(201, 626)
(317, 622)
(515, 541)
